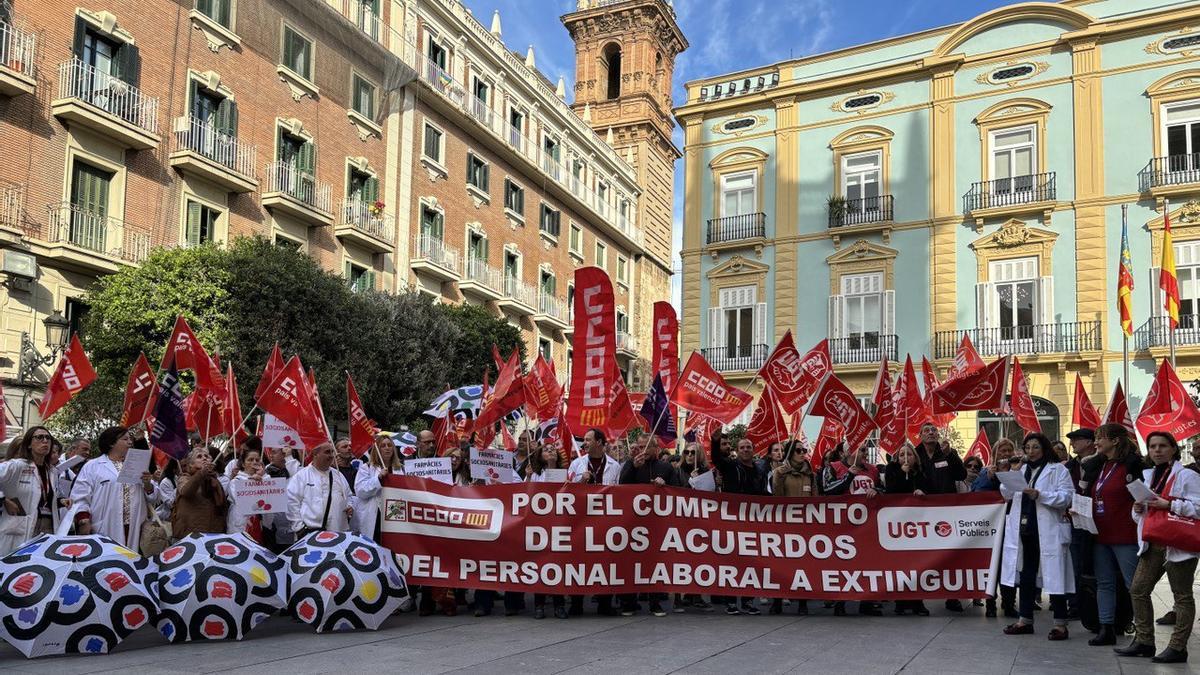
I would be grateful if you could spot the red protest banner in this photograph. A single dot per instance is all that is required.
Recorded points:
(574, 538)
(595, 354)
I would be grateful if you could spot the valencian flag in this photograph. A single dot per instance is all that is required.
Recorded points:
(834, 399)
(1024, 413)
(1166, 275)
(766, 424)
(1117, 411)
(656, 410)
(981, 448)
(362, 428)
(966, 360)
(73, 374)
(169, 432)
(1168, 407)
(1083, 414)
(274, 365)
(983, 390)
(793, 377)
(701, 389)
(141, 390)
(1125, 284)
(594, 359)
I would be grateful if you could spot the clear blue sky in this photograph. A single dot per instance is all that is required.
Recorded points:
(729, 35)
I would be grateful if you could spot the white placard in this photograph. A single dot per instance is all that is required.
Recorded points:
(1013, 480)
(68, 463)
(554, 476)
(1081, 514)
(705, 481)
(492, 466)
(276, 434)
(268, 495)
(434, 468)
(1140, 492)
(137, 462)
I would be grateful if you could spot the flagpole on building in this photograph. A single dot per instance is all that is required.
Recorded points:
(1170, 321)
(1124, 335)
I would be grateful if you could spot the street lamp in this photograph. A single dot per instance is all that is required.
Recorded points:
(57, 332)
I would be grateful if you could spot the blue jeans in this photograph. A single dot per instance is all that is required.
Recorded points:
(1111, 560)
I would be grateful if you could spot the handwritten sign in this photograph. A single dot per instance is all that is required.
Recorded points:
(260, 496)
(492, 466)
(434, 468)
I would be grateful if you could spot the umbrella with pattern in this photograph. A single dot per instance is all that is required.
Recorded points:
(72, 595)
(342, 581)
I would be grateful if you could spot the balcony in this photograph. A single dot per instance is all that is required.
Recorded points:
(17, 49)
(482, 281)
(88, 242)
(519, 297)
(203, 151)
(107, 105)
(360, 14)
(552, 313)
(626, 345)
(737, 228)
(12, 202)
(1011, 196)
(366, 226)
(1156, 332)
(736, 358)
(298, 194)
(431, 257)
(1051, 338)
(860, 216)
(1172, 175)
(866, 348)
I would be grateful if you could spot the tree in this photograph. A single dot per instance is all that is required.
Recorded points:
(478, 331)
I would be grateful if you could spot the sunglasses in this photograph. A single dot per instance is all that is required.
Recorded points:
(43, 437)
(689, 453)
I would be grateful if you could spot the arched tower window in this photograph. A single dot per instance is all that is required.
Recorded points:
(612, 63)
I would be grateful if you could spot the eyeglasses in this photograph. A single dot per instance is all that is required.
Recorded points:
(43, 437)
(689, 453)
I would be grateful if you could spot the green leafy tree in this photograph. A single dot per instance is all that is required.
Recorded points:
(478, 331)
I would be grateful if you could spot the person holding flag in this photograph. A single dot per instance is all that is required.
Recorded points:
(382, 461)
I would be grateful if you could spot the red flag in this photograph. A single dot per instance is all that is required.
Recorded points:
(1117, 411)
(497, 359)
(766, 424)
(510, 443)
(232, 409)
(941, 420)
(204, 413)
(1083, 414)
(795, 378)
(188, 354)
(484, 433)
(983, 390)
(1168, 407)
(621, 416)
(363, 428)
(666, 346)
(891, 426)
(595, 340)
(566, 440)
(73, 374)
(506, 396)
(981, 448)
(141, 391)
(915, 412)
(966, 360)
(834, 399)
(542, 391)
(1023, 411)
(827, 439)
(316, 404)
(290, 399)
(702, 390)
(446, 434)
(274, 365)
(702, 428)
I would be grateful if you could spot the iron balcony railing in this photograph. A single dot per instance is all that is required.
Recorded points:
(364, 217)
(432, 249)
(626, 342)
(1156, 332)
(737, 228)
(366, 20)
(865, 348)
(17, 49)
(483, 274)
(861, 211)
(736, 357)
(201, 138)
(1014, 191)
(550, 306)
(299, 185)
(86, 229)
(1170, 170)
(12, 201)
(77, 80)
(1051, 338)
(520, 291)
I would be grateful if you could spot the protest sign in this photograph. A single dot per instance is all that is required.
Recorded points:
(434, 468)
(276, 434)
(260, 496)
(492, 466)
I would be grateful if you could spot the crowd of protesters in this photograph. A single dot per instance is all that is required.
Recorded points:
(1104, 580)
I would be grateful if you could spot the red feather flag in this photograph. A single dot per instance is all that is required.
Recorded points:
(595, 339)
(1023, 411)
(1083, 414)
(141, 391)
(363, 428)
(73, 374)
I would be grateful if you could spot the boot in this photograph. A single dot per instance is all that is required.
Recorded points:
(1171, 655)
(1135, 648)
(1106, 636)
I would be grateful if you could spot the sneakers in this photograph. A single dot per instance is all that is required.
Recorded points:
(701, 605)
(749, 608)
(731, 609)
(656, 608)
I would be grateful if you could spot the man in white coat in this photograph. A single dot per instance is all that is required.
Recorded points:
(319, 497)
(115, 510)
(595, 467)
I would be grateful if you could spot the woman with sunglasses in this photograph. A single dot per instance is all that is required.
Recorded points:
(691, 464)
(794, 477)
(27, 483)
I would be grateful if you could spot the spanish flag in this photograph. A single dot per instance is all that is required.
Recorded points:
(1125, 284)
(1166, 277)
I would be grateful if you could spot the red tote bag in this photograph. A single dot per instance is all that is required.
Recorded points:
(1168, 529)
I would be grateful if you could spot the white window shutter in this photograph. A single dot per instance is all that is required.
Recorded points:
(983, 304)
(836, 305)
(1046, 300)
(760, 323)
(889, 313)
(716, 327)
(1156, 299)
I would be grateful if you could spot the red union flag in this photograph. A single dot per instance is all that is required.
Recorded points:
(827, 439)
(595, 351)
(621, 415)
(891, 425)
(73, 374)
(274, 365)
(793, 377)
(1083, 414)
(916, 412)
(362, 428)
(766, 424)
(232, 410)
(506, 396)
(931, 382)
(141, 391)
(289, 399)
(1023, 411)
(666, 343)
(966, 360)
(983, 390)
(542, 391)
(1168, 407)
(1117, 411)
(701, 389)
(834, 399)
(981, 448)
(188, 354)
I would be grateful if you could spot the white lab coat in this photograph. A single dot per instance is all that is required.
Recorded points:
(579, 465)
(1185, 488)
(166, 494)
(97, 491)
(307, 493)
(368, 486)
(1054, 532)
(19, 480)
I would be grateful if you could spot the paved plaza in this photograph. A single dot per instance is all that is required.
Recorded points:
(679, 643)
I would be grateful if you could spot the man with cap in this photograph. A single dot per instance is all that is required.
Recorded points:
(1083, 447)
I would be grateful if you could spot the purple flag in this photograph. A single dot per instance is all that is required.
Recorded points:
(169, 433)
(656, 410)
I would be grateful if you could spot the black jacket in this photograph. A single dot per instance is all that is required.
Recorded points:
(896, 482)
(739, 478)
(647, 472)
(942, 471)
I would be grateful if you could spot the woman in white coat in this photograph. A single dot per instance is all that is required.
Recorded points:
(239, 519)
(1037, 538)
(27, 482)
(382, 461)
(115, 510)
(1178, 491)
